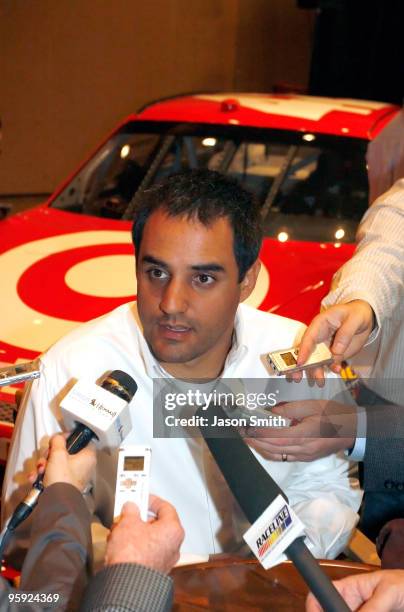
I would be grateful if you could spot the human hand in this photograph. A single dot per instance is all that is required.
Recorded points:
(323, 427)
(346, 327)
(382, 591)
(155, 544)
(59, 466)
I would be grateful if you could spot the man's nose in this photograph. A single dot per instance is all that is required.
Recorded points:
(175, 298)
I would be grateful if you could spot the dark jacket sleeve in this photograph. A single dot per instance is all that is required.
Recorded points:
(384, 453)
(59, 557)
(126, 587)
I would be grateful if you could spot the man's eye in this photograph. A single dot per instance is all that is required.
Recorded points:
(157, 273)
(205, 279)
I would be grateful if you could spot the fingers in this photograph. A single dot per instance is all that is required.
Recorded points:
(345, 326)
(41, 465)
(82, 466)
(344, 336)
(72, 469)
(299, 409)
(130, 510)
(129, 516)
(44, 452)
(276, 452)
(354, 329)
(40, 469)
(349, 595)
(321, 329)
(295, 376)
(57, 442)
(167, 513)
(87, 456)
(291, 410)
(305, 450)
(274, 436)
(374, 588)
(314, 376)
(314, 334)
(162, 509)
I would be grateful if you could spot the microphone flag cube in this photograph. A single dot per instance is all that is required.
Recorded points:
(106, 414)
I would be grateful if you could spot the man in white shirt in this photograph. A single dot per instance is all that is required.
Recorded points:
(197, 237)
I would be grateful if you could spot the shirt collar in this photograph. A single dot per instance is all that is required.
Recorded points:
(152, 367)
(239, 345)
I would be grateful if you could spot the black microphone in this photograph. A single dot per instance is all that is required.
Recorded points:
(254, 490)
(118, 383)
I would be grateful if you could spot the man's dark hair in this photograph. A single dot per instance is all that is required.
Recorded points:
(206, 196)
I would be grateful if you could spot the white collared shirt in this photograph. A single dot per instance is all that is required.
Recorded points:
(183, 470)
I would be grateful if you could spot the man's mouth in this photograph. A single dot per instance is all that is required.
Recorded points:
(175, 332)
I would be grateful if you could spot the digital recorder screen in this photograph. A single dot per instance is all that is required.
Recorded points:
(133, 464)
(289, 359)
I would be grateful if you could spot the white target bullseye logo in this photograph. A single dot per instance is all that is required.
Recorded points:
(85, 276)
(52, 284)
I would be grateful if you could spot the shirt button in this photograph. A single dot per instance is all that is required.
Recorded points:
(400, 486)
(388, 484)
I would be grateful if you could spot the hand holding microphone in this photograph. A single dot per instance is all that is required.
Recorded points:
(61, 467)
(93, 412)
(154, 544)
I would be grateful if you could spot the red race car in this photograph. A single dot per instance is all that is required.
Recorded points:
(71, 259)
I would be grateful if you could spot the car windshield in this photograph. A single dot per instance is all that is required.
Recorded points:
(310, 186)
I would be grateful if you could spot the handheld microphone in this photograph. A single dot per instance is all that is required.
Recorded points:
(93, 412)
(99, 412)
(254, 490)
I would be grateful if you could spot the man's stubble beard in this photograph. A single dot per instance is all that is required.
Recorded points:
(183, 356)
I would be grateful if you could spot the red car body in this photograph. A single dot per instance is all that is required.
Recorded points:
(61, 266)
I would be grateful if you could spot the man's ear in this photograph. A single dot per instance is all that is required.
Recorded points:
(248, 283)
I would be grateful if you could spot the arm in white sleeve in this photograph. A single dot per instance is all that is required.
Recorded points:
(375, 273)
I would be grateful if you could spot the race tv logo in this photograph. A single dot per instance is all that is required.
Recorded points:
(274, 531)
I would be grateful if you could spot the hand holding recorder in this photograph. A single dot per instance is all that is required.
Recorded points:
(346, 327)
(155, 544)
